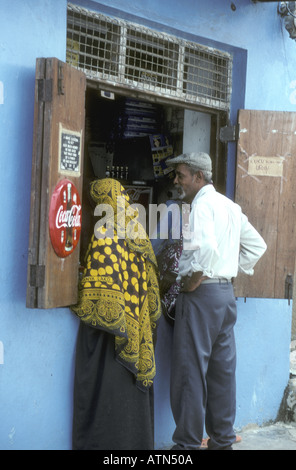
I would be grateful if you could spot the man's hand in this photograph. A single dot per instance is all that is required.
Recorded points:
(190, 283)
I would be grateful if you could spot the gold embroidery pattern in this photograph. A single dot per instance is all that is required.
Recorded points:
(119, 294)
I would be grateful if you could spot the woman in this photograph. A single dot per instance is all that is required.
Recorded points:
(118, 306)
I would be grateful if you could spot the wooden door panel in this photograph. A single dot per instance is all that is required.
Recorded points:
(266, 167)
(59, 112)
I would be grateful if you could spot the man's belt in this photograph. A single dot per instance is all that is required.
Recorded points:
(217, 280)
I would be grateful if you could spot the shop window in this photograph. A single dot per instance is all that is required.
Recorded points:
(128, 98)
(80, 135)
(168, 96)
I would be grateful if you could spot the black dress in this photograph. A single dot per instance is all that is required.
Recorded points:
(110, 411)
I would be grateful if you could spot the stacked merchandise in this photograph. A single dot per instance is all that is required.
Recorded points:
(138, 119)
(143, 119)
(161, 149)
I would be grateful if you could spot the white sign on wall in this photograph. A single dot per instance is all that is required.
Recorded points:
(265, 166)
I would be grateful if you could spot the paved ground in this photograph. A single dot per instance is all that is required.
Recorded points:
(278, 436)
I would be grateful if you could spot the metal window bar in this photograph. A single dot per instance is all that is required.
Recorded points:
(206, 75)
(152, 61)
(133, 56)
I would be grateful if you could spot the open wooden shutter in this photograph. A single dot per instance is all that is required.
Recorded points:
(265, 189)
(56, 186)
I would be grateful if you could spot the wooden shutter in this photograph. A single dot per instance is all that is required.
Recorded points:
(59, 115)
(265, 189)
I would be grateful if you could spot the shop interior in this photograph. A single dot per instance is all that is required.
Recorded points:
(130, 140)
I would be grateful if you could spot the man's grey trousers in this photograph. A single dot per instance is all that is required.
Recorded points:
(203, 389)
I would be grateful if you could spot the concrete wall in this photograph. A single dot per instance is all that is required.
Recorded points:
(37, 347)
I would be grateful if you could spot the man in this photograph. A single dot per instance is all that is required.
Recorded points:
(221, 243)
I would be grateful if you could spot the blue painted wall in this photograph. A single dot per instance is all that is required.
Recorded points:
(36, 376)
(37, 346)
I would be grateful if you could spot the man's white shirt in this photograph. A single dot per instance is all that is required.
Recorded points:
(219, 240)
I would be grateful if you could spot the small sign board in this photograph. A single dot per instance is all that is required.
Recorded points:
(70, 151)
(265, 166)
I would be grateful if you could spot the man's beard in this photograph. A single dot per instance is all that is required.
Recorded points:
(181, 192)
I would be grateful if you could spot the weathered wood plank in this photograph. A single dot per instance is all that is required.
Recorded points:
(65, 111)
(265, 172)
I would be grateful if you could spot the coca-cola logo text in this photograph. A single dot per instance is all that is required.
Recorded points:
(65, 217)
(68, 218)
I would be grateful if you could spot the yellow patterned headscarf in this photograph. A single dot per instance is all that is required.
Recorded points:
(119, 290)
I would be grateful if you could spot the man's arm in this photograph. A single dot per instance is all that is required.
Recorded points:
(252, 247)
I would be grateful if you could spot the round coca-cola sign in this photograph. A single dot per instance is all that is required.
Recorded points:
(65, 218)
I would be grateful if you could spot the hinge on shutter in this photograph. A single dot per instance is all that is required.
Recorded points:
(289, 287)
(44, 89)
(61, 87)
(37, 275)
(229, 133)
